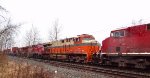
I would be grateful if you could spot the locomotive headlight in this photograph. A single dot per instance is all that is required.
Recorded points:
(89, 41)
(93, 41)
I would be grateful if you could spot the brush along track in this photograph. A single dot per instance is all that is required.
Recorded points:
(79, 67)
(105, 70)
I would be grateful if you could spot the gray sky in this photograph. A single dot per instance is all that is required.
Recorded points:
(95, 17)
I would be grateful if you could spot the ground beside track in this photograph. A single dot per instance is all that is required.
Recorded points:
(64, 72)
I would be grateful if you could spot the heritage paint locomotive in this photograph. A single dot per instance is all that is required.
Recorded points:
(76, 49)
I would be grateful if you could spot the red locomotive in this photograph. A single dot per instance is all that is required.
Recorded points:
(37, 50)
(128, 47)
(15, 50)
(29, 51)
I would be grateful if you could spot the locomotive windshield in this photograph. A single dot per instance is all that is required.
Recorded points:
(88, 39)
(118, 34)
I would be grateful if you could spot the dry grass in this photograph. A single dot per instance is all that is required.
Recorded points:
(10, 69)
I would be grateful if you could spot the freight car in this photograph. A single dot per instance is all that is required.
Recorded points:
(127, 47)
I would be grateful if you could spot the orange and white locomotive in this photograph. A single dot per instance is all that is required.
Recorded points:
(76, 49)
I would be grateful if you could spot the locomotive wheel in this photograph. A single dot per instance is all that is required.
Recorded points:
(106, 62)
(114, 64)
(140, 65)
(130, 65)
(122, 64)
(77, 59)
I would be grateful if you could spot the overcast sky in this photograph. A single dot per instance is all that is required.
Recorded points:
(95, 17)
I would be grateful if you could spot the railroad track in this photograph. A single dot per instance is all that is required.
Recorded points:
(117, 72)
(105, 70)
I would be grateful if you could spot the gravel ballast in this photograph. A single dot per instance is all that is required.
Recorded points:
(64, 72)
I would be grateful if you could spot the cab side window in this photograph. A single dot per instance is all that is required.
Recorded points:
(122, 33)
(118, 34)
(148, 26)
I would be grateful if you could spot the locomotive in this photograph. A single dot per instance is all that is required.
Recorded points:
(128, 47)
(36, 51)
(75, 49)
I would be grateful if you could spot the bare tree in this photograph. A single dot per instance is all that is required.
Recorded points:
(140, 21)
(55, 31)
(137, 22)
(32, 37)
(7, 34)
(2, 8)
(2, 16)
(133, 22)
(7, 30)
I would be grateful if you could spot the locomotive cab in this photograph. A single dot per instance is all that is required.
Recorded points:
(119, 33)
(88, 39)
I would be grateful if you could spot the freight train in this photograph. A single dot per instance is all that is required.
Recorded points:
(75, 49)
(126, 47)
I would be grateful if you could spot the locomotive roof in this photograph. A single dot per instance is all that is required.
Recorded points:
(125, 28)
(82, 35)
